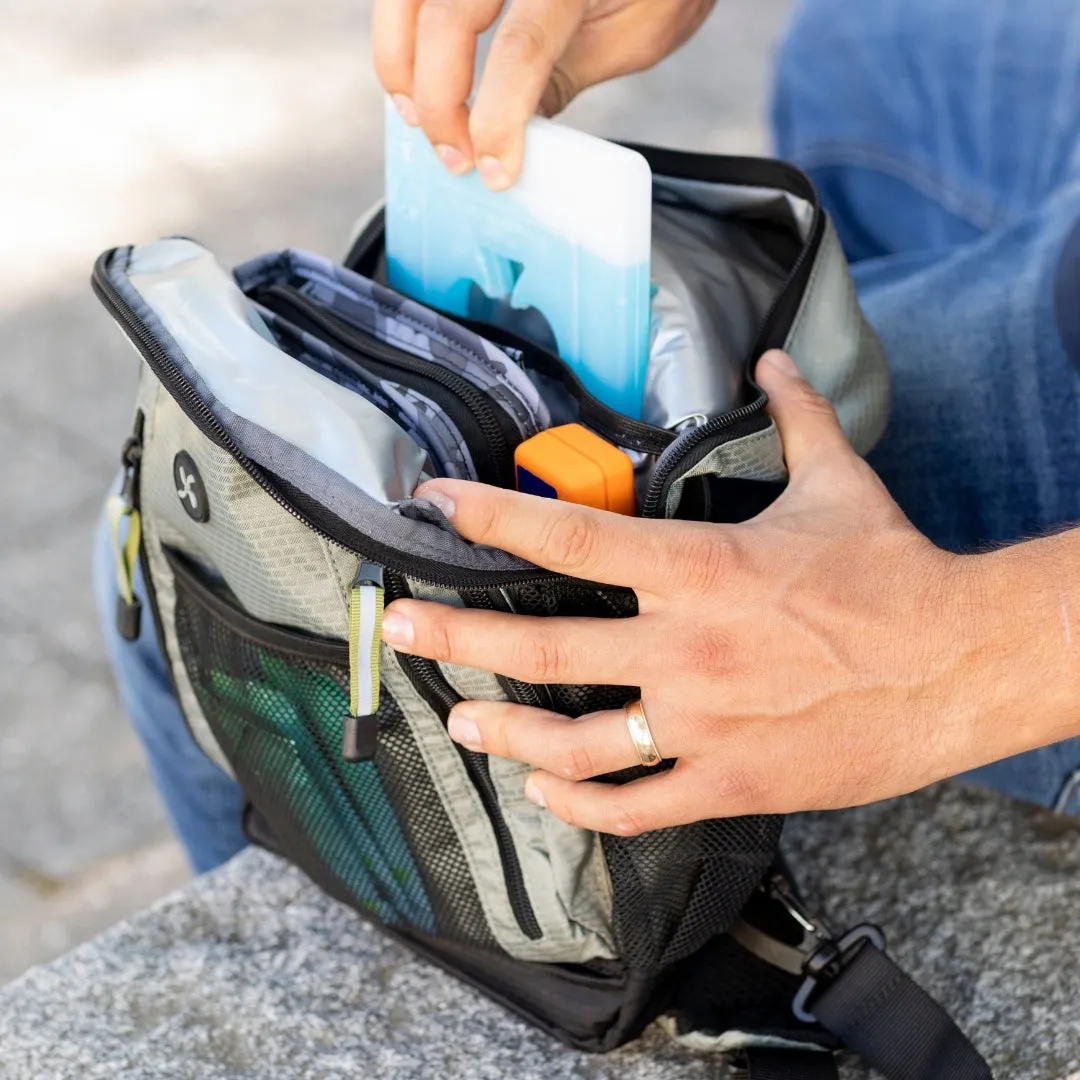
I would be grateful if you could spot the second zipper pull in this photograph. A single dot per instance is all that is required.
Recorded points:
(366, 597)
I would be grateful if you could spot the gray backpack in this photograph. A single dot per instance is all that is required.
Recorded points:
(268, 561)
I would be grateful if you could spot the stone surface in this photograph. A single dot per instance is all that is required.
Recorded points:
(251, 972)
(248, 124)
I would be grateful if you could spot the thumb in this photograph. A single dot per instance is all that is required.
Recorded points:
(808, 425)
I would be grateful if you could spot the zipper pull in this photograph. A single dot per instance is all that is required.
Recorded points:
(119, 507)
(366, 597)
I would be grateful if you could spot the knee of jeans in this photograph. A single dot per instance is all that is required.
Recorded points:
(844, 71)
(807, 108)
(103, 575)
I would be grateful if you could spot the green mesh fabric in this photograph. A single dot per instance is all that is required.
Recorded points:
(278, 717)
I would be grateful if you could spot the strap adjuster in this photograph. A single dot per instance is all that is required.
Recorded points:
(826, 963)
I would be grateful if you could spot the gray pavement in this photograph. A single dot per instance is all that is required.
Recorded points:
(253, 972)
(247, 125)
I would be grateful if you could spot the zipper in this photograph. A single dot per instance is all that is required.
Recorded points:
(432, 686)
(331, 529)
(622, 430)
(536, 695)
(471, 410)
(733, 423)
(770, 325)
(232, 617)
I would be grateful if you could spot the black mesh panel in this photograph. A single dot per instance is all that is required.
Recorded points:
(676, 888)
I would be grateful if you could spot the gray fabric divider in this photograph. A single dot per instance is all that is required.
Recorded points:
(150, 398)
(759, 456)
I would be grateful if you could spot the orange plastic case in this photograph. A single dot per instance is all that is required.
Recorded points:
(572, 464)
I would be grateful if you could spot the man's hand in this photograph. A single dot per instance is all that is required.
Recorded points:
(544, 53)
(824, 654)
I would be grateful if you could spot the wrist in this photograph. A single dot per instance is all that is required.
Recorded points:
(1023, 616)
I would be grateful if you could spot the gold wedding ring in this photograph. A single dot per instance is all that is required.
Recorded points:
(640, 735)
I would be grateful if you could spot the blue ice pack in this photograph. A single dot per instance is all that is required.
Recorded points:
(561, 258)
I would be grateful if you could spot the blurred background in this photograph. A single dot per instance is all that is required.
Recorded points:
(246, 125)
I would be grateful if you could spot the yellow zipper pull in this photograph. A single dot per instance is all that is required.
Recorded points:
(119, 507)
(365, 635)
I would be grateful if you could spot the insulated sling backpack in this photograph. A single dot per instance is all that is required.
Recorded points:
(285, 413)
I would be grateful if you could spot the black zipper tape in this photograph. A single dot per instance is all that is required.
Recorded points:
(490, 434)
(441, 697)
(622, 430)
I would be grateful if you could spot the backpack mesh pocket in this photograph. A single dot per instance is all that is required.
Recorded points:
(672, 889)
(372, 833)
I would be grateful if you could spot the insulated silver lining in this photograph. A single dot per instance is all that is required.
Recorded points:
(714, 280)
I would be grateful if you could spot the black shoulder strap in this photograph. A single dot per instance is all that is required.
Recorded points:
(879, 1013)
(893, 1024)
(853, 990)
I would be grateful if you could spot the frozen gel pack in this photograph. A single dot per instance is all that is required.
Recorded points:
(561, 258)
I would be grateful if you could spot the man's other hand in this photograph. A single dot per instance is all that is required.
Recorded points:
(821, 655)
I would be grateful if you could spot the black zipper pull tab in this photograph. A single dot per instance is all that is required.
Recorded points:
(123, 506)
(366, 598)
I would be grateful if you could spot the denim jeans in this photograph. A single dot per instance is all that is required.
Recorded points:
(944, 138)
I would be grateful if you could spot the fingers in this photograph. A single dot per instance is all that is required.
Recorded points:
(446, 33)
(393, 48)
(655, 802)
(528, 43)
(807, 422)
(537, 650)
(577, 540)
(579, 749)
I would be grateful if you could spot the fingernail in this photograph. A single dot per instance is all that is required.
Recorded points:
(397, 629)
(463, 730)
(437, 498)
(534, 794)
(781, 361)
(494, 173)
(406, 109)
(452, 158)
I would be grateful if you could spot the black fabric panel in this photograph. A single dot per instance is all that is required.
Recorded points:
(732, 500)
(585, 1008)
(593, 1008)
(880, 1014)
(726, 988)
(790, 1065)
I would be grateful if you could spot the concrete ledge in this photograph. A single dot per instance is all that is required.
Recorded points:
(251, 972)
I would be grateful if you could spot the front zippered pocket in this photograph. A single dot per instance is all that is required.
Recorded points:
(276, 700)
(490, 434)
(441, 697)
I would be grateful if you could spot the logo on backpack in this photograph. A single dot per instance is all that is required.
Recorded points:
(190, 489)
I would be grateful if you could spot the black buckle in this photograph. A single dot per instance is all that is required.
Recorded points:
(827, 961)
